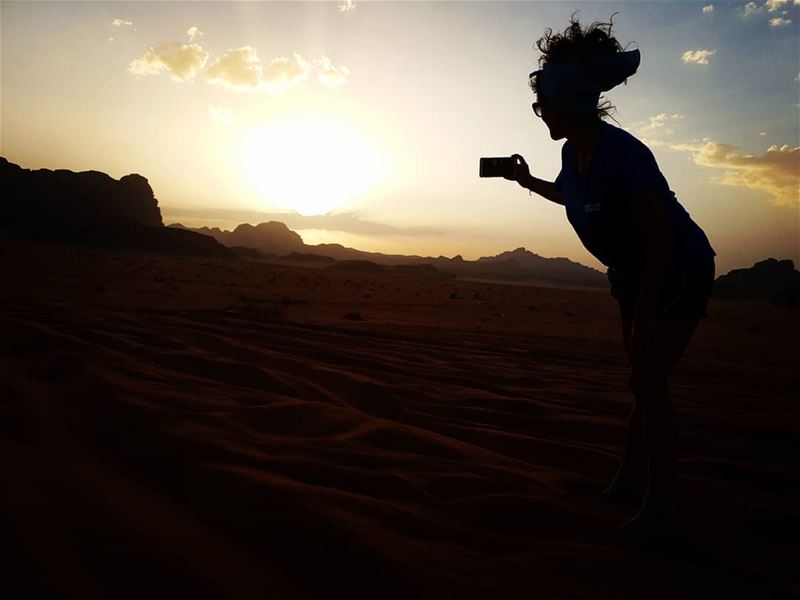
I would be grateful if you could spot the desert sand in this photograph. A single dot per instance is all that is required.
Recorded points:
(183, 427)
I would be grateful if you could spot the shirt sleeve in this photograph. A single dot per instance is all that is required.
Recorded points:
(639, 170)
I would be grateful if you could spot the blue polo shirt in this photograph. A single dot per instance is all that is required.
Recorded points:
(597, 204)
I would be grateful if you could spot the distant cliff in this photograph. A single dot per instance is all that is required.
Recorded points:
(272, 237)
(517, 265)
(772, 280)
(93, 208)
(42, 199)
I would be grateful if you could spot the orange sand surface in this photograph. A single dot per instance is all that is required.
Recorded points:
(174, 426)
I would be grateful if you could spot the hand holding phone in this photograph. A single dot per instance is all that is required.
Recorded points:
(513, 168)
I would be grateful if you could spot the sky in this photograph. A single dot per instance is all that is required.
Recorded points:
(363, 123)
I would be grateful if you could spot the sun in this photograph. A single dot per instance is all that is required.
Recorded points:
(309, 164)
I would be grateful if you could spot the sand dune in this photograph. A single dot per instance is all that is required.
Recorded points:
(174, 426)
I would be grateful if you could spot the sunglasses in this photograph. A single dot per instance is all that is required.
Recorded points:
(536, 106)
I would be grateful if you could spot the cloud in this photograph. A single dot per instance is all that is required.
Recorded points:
(776, 172)
(659, 122)
(220, 114)
(329, 74)
(285, 73)
(762, 133)
(773, 5)
(779, 22)
(182, 61)
(708, 9)
(699, 57)
(193, 32)
(347, 6)
(121, 23)
(238, 69)
(750, 8)
(241, 70)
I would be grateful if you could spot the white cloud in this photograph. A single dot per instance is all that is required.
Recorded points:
(182, 61)
(658, 123)
(773, 5)
(220, 114)
(238, 69)
(241, 70)
(329, 74)
(347, 6)
(708, 9)
(762, 133)
(776, 172)
(285, 73)
(699, 57)
(779, 22)
(121, 23)
(750, 8)
(193, 32)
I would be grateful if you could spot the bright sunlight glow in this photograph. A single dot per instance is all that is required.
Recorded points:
(309, 164)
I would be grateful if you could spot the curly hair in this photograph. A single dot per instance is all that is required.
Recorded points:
(576, 43)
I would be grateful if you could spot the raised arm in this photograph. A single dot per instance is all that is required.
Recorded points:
(522, 175)
(546, 189)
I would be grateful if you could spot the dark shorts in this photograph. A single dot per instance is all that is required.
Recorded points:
(684, 294)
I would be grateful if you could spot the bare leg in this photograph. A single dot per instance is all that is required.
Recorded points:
(660, 434)
(649, 376)
(626, 484)
(633, 463)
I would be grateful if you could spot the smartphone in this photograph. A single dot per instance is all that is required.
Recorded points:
(496, 166)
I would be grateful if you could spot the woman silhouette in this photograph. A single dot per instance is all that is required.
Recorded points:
(660, 263)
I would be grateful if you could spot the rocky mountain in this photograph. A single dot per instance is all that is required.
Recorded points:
(522, 264)
(43, 198)
(272, 237)
(93, 208)
(772, 280)
(517, 265)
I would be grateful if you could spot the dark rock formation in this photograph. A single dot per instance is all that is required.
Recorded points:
(517, 265)
(771, 280)
(44, 200)
(272, 237)
(90, 207)
(520, 265)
